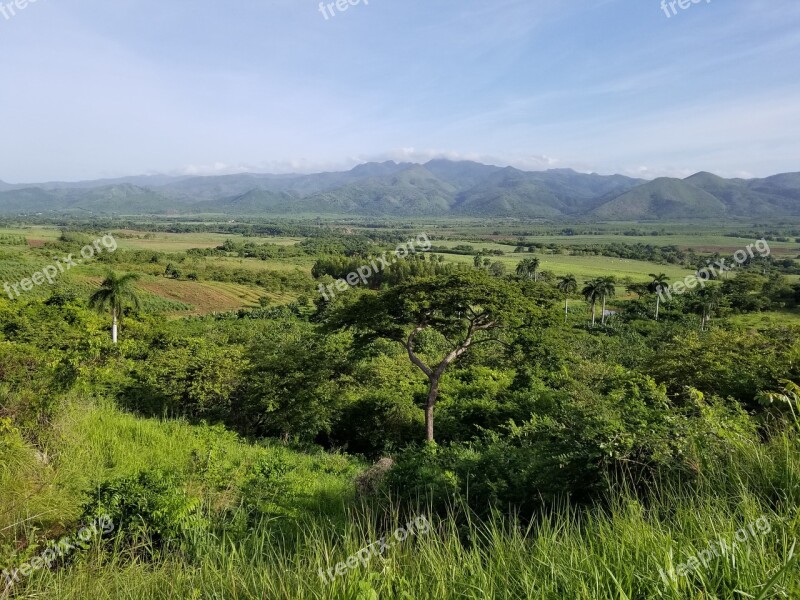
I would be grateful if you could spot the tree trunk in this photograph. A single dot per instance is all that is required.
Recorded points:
(433, 395)
(566, 310)
(603, 321)
(658, 303)
(594, 308)
(114, 327)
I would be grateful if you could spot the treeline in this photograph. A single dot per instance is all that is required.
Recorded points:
(419, 265)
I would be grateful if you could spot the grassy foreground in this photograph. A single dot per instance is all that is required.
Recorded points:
(628, 549)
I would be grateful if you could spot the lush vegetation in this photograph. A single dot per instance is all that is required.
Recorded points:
(566, 437)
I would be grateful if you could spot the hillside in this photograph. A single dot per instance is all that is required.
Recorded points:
(662, 198)
(437, 188)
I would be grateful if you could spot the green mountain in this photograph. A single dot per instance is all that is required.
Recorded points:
(663, 198)
(412, 191)
(123, 199)
(437, 188)
(28, 200)
(510, 193)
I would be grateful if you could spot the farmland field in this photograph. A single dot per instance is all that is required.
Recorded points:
(178, 242)
(585, 267)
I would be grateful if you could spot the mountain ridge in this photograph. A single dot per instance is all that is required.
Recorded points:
(437, 188)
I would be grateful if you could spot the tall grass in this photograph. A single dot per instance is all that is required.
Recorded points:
(619, 554)
(625, 549)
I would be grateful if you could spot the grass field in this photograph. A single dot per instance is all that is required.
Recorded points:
(156, 241)
(586, 267)
(627, 550)
(195, 297)
(303, 263)
(180, 242)
(34, 234)
(701, 243)
(766, 319)
(205, 296)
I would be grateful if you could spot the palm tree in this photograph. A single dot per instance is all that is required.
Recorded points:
(607, 288)
(705, 302)
(567, 285)
(592, 292)
(527, 268)
(659, 281)
(115, 292)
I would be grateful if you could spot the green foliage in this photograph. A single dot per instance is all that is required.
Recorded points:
(377, 423)
(150, 510)
(625, 445)
(267, 489)
(191, 377)
(573, 445)
(294, 383)
(738, 364)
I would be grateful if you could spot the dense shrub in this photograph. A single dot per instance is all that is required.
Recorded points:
(573, 446)
(377, 423)
(151, 512)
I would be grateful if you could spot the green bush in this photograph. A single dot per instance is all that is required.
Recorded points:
(150, 511)
(377, 423)
(267, 486)
(573, 446)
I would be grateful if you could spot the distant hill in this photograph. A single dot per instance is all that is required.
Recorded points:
(510, 193)
(437, 188)
(663, 198)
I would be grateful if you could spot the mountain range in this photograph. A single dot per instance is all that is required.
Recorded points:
(436, 188)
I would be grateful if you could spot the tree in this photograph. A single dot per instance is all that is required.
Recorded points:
(465, 309)
(295, 382)
(567, 285)
(497, 269)
(659, 281)
(171, 272)
(704, 301)
(527, 268)
(607, 288)
(592, 292)
(115, 292)
(640, 289)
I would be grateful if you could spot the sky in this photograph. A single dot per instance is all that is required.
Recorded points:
(94, 89)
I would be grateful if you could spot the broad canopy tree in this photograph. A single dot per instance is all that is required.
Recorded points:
(466, 309)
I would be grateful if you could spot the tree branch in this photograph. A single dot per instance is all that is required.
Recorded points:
(409, 345)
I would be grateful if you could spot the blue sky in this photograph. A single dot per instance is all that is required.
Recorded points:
(102, 89)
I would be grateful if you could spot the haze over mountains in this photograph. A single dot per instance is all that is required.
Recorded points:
(436, 188)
